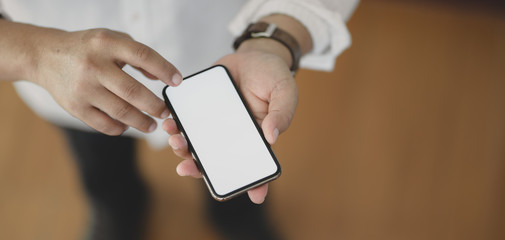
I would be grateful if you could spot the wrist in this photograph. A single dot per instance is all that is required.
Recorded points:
(16, 54)
(270, 31)
(266, 45)
(42, 46)
(292, 26)
(278, 34)
(21, 48)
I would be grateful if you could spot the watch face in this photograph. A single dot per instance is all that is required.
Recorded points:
(263, 30)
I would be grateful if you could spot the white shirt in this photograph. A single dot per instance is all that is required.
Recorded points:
(191, 34)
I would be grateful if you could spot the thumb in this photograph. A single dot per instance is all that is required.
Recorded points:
(281, 110)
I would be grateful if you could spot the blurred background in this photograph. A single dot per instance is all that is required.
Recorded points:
(404, 140)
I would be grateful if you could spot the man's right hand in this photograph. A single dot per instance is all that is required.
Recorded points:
(83, 72)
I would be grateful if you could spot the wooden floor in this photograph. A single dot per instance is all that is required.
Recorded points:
(404, 140)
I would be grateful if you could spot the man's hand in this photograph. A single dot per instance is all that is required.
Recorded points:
(266, 83)
(260, 68)
(83, 72)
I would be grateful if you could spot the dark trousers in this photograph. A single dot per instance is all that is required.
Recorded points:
(119, 197)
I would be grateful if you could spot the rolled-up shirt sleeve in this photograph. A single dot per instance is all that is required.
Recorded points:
(324, 19)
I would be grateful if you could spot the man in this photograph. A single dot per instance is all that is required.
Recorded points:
(99, 79)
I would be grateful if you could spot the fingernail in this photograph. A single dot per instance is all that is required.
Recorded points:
(276, 134)
(152, 127)
(177, 79)
(165, 113)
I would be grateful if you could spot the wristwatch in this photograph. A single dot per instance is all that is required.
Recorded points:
(270, 30)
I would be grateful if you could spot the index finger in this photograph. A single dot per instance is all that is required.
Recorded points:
(133, 92)
(141, 56)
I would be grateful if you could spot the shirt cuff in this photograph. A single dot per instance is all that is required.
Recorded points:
(327, 28)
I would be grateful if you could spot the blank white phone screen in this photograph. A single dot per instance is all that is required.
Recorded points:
(221, 131)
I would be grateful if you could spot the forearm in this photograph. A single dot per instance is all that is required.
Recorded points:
(19, 49)
(287, 24)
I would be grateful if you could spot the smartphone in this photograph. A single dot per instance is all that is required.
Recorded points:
(225, 140)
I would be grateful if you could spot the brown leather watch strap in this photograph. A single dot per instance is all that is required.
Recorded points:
(270, 30)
